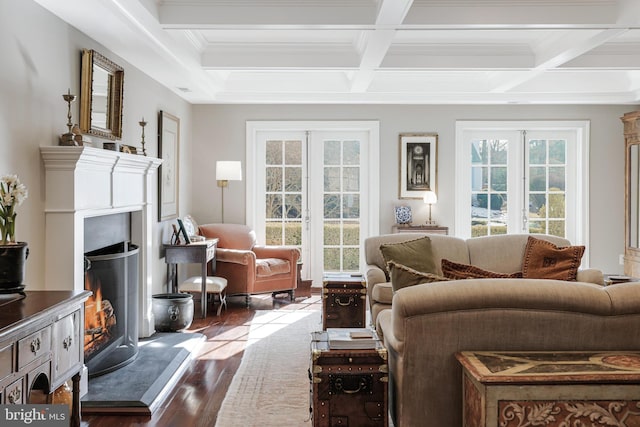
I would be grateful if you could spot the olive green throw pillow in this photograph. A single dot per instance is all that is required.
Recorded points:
(415, 254)
(403, 276)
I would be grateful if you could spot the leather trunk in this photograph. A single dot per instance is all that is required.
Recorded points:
(343, 301)
(349, 387)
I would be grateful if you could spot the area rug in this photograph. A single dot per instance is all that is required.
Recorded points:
(271, 386)
(141, 386)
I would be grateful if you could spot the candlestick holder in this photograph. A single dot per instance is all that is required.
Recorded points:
(142, 124)
(69, 137)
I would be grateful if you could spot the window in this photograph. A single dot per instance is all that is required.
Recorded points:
(522, 177)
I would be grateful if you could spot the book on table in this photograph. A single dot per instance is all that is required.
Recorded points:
(351, 338)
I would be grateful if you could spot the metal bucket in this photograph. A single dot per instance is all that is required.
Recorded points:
(172, 312)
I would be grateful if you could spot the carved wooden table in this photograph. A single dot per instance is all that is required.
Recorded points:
(550, 389)
(41, 336)
(196, 252)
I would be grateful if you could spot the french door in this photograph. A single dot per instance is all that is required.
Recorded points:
(522, 177)
(314, 185)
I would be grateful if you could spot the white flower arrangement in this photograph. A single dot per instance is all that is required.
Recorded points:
(12, 194)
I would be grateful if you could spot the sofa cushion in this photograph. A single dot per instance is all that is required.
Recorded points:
(383, 293)
(403, 276)
(270, 266)
(455, 271)
(544, 260)
(416, 254)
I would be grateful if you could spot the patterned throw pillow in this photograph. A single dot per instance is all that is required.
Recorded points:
(454, 271)
(544, 260)
(403, 276)
(416, 254)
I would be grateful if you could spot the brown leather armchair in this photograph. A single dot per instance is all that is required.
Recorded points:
(250, 268)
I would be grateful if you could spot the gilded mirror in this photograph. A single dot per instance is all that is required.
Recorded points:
(632, 193)
(102, 83)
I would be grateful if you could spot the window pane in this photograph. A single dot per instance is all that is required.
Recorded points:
(537, 179)
(332, 179)
(332, 152)
(498, 229)
(273, 179)
(273, 233)
(293, 233)
(332, 206)
(293, 152)
(536, 202)
(331, 259)
(273, 206)
(479, 178)
(479, 228)
(556, 228)
(274, 153)
(498, 152)
(351, 206)
(293, 181)
(479, 153)
(351, 259)
(537, 227)
(351, 153)
(479, 206)
(331, 233)
(351, 178)
(556, 206)
(293, 205)
(557, 152)
(351, 233)
(499, 178)
(538, 152)
(557, 180)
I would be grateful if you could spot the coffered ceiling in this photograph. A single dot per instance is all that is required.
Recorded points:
(374, 51)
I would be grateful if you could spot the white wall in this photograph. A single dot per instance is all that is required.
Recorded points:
(219, 134)
(40, 61)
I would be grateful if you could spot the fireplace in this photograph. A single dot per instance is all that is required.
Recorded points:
(111, 328)
(83, 183)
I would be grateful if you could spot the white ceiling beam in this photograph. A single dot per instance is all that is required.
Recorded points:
(202, 14)
(391, 14)
(561, 50)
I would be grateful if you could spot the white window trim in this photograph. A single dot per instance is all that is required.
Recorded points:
(463, 169)
(373, 160)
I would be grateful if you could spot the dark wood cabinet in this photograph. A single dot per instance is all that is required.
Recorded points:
(41, 333)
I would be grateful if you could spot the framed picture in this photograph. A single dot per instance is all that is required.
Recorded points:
(168, 149)
(418, 164)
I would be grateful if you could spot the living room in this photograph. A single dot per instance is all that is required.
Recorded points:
(42, 60)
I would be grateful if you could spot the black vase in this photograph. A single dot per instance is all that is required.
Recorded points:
(13, 259)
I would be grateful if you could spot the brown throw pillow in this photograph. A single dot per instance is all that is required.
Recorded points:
(416, 254)
(403, 276)
(544, 260)
(454, 271)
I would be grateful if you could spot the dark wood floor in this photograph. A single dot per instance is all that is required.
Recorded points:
(196, 398)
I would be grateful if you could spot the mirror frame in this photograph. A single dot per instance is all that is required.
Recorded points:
(113, 130)
(632, 138)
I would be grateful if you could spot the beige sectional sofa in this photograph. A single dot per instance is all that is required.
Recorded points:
(429, 323)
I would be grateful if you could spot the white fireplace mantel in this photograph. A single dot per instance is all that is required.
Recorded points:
(82, 182)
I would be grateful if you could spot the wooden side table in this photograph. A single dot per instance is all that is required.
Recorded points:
(433, 229)
(554, 389)
(197, 253)
(343, 300)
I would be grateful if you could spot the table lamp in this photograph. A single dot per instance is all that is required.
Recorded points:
(430, 198)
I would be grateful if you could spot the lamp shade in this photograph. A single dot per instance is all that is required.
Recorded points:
(228, 170)
(430, 197)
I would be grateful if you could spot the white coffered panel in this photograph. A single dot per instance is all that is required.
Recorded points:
(374, 51)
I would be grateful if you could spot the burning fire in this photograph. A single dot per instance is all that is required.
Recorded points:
(99, 317)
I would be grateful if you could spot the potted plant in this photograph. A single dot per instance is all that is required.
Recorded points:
(12, 254)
